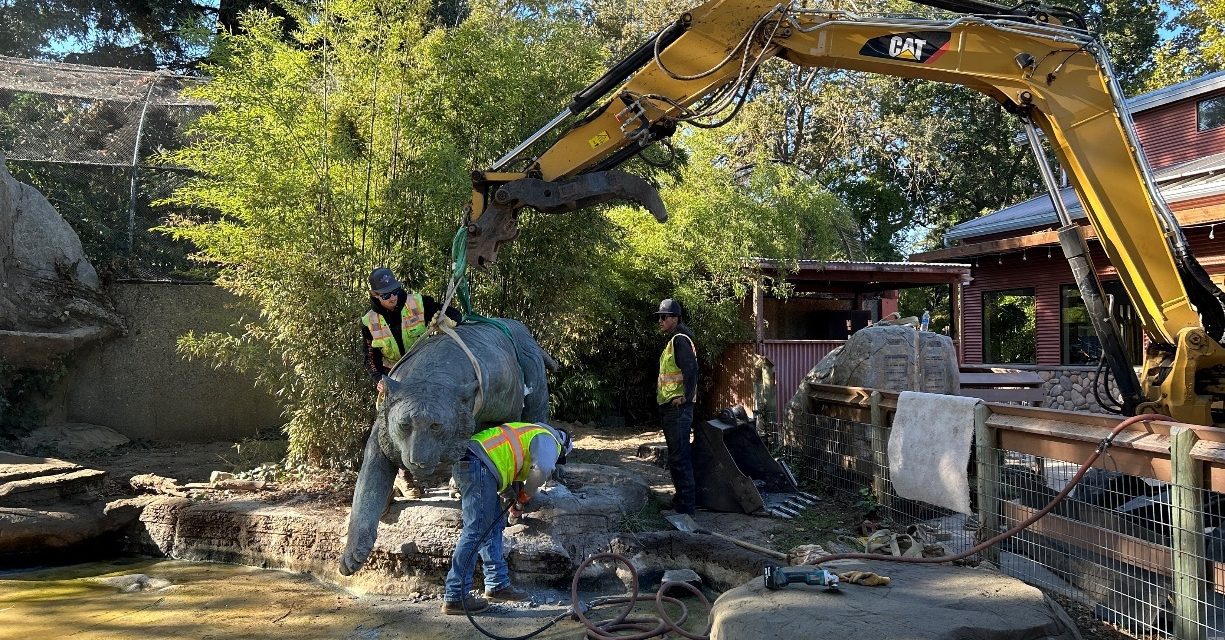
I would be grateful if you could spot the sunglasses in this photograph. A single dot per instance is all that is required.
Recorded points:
(385, 296)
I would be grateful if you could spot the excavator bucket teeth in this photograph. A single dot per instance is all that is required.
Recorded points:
(498, 224)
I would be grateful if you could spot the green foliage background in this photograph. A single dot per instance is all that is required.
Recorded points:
(349, 146)
(344, 132)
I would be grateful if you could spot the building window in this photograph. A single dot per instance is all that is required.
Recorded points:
(1008, 327)
(1210, 113)
(1078, 342)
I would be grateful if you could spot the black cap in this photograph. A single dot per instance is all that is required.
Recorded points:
(669, 307)
(382, 281)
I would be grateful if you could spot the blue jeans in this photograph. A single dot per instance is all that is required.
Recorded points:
(678, 432)
(481, 507)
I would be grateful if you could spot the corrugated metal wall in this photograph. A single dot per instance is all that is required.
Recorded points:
(793, 359)
(1168, 134)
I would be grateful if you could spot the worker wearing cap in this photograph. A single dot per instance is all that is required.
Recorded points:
(395, 320)
(508, 462)
(676, 392)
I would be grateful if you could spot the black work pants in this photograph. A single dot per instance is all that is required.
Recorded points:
(678, 432)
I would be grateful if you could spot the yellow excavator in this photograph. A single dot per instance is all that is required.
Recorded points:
(1040, 63)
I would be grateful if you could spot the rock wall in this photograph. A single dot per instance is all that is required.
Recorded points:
(1071, 388)
(415, 541)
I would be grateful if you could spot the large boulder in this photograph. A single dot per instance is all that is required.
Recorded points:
(51, 508)
(51, 299)
(889, 358)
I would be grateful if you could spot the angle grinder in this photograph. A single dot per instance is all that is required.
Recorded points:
(778, 577)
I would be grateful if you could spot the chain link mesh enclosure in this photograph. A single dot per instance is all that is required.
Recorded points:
(1109, 546)
(88, 138)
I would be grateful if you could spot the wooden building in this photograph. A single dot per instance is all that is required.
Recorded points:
(828, 302)
(1022, 308)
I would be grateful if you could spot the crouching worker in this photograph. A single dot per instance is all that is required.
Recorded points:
(509, 462)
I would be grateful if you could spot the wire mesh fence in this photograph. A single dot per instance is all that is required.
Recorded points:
(1115, 545)
(89, 138)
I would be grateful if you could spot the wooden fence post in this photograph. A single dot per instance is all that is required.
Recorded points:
(1187, 521)
(880, 460)
(987, 457)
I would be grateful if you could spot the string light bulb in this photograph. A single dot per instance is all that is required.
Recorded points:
(1024, 256)
(1048, 253)
(1212, 232)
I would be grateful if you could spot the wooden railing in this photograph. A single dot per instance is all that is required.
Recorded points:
(1191, 458)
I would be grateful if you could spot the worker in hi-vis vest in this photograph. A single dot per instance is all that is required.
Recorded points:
(395, 320)
(507, 462)
(676, 393)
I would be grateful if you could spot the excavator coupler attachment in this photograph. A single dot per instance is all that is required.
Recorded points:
(734, 472)
(499, 223)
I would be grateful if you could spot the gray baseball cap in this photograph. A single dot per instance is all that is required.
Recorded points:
(383, 281)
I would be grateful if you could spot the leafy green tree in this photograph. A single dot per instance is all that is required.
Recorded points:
(346, 148)
(723, 209)
(1197, 46)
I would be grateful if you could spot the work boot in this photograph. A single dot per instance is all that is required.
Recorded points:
(509, 593)
(473, 603)
(406, 487)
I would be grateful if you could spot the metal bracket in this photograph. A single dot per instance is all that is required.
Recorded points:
(499, 223)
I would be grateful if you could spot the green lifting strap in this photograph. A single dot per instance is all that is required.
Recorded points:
(459, 273)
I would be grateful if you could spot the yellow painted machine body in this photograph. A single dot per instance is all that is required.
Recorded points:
(1057, 75)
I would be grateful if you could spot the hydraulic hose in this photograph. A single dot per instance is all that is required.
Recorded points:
(602, 630)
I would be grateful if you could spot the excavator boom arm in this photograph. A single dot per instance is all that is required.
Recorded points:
(1055, 77)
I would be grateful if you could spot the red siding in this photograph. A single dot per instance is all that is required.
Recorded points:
(1046, 276)
(1010, 271)
(1169, 136)
(793, 359)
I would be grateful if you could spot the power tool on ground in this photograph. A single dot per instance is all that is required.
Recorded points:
(778, 577)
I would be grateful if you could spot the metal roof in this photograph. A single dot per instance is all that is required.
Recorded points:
(1195, 179)
(860, 265)
(1035, 212)
(1206, 164)
(1176, 92)
(856, 276)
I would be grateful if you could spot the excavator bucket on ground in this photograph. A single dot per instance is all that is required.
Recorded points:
(735, 473)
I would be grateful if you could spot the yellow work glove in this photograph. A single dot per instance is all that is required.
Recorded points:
(866, 578)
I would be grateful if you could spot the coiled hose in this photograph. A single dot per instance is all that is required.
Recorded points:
(648, 627)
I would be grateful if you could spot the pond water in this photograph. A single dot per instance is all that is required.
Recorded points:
(171, 599)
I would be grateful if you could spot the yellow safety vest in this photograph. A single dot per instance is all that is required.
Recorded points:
(507, 447)
(671, 380)
(412, 326)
